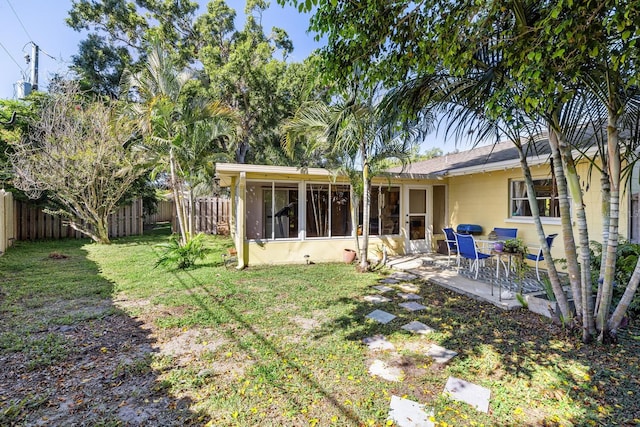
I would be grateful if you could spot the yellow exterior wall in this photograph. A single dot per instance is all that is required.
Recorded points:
(319, 250)
(483, 199)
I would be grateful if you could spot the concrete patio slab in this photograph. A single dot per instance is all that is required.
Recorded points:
(381, 316)
(412, 306)
(408, 262)
(376, 299)
(440, 354)
(432, 269)
(418, 328)
(378, 342)
(464, 391)
(380, 369)
(408, 413)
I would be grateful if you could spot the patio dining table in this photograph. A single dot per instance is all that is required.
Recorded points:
(487, 245)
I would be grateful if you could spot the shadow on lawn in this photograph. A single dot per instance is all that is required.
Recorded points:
(496, 346)
(304, 374)
(69, 356)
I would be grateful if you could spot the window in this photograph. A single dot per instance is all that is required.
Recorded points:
(328, 210)
(384, 216)
(272, 210)
(546, 197)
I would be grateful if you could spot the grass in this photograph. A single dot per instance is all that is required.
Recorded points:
(281, 345)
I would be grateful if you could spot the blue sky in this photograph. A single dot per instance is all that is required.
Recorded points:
(43, 22)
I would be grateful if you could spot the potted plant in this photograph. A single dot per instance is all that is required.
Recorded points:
(515, 246)
(348, 256)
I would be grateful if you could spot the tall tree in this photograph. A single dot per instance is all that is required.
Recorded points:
(183, 127)
(352, 132)
(81, 152)
(245, 72)
(118, 32)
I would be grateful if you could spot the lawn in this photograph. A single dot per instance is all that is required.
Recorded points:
(97, 335)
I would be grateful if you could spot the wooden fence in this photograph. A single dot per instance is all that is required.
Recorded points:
(7, 235)
(211, 215)
(31, 223)
(165, 212)
(25, 221)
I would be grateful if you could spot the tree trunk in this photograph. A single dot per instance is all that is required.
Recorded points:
(366, 211)
(177, 197)
(561, 297)
(606, 213)
(573, 181)
(571, 254)
(355, 201)
(613, 151)
(625, 301)
(242, 150)
(192, 212)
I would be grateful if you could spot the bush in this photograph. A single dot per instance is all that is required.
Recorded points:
(182, 256)
(625, 264)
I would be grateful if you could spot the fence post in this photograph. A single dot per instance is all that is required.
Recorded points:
(3, 222)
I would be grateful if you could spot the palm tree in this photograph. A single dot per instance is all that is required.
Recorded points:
(184, 128)
(353, 135)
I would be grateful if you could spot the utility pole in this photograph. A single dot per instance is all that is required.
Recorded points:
(35, 53)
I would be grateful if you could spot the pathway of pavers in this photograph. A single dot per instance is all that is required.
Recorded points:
(404, 412)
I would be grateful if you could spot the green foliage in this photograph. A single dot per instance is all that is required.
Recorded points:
(119, 30)
(246, 73)
(182, 256)
(627, 258)
(82, 152)
(515, 245)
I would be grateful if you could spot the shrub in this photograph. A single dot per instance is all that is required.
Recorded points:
(625, 264)
(182, 256)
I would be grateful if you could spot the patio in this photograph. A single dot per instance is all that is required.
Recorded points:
(500, 292)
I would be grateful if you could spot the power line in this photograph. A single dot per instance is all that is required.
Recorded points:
(12, 58)
(19, 20)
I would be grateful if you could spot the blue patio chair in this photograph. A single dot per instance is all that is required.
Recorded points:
(452, 245)
(467, 249)
(539, 256)
(506, 233)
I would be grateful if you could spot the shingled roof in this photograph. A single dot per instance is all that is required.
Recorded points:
(486, 155)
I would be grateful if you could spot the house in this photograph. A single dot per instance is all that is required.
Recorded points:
(291, 215)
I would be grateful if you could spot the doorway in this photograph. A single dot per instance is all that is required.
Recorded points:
(418, 234)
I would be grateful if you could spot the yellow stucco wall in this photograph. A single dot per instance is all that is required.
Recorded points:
(484, 199)
(319, 250)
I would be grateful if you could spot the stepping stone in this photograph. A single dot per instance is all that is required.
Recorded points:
(403, 276)
(507, 295)
(378, 342)
(418, 328)
(473, 394)
(389, 281)
(381, 316)
(440, 354)
(380, 369)
(409, 287)
(409, 296)
(412, 306)
(376, 299)
(382, 288)
(407, 413)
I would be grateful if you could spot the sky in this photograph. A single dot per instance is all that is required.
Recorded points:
(23, 22)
